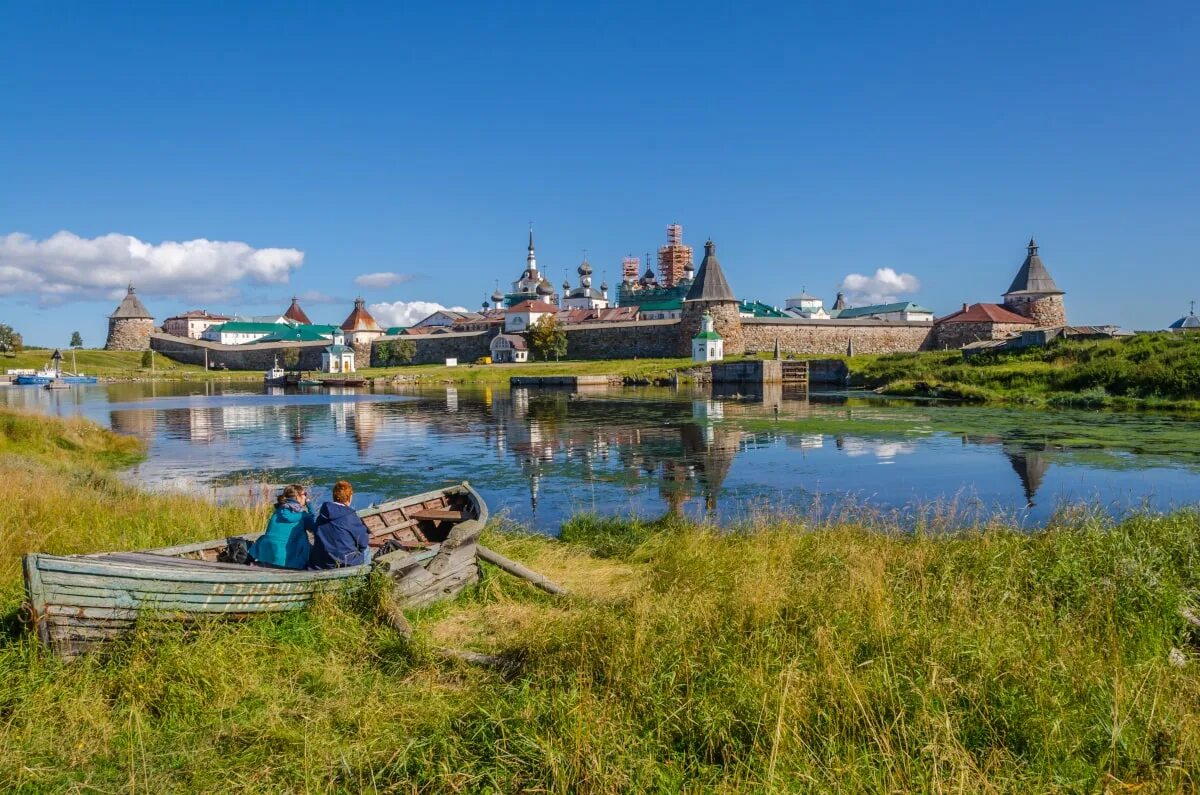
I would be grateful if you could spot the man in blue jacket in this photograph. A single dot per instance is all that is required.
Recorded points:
(340, 535)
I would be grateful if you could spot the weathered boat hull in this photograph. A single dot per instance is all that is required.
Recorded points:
(76, 601)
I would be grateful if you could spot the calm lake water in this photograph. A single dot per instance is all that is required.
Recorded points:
(539, 456)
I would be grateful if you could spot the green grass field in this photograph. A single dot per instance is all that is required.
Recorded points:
(772, 658)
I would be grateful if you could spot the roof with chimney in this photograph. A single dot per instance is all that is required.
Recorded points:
(360, 319)
(295, 313)
(710, 283)
(1033, 276)
(986, 313)
(131, 307)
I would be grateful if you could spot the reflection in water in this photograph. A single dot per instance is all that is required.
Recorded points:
(540, 455)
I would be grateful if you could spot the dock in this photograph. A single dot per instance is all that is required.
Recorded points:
(789, 372)
(570, 381)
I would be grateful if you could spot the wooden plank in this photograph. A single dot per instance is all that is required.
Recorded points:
(199, 573)
(440, 515)
(189, 602)
(118, 581)
(516, 569)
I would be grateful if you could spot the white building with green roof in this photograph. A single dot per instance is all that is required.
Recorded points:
(708, 345)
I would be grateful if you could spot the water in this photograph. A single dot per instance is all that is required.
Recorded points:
(539, 456)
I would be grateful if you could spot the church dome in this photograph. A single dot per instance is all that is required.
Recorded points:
(544, 288)
(497, 296)
(585, 268)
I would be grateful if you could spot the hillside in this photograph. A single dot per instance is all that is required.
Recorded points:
(1146, 370)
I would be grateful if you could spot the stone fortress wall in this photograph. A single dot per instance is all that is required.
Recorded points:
(235, 357)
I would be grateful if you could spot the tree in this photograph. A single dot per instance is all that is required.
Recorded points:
(404, 351)
(383, 353)
(147, 359)
(291, 358)
(548, 338)
(76, 340)
(10, 340)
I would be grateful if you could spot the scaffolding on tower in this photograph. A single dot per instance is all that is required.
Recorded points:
(674, 257)
(631, 268)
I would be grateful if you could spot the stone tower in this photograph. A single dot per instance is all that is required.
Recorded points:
(1034, 294)
(130, 326)
(710, 292)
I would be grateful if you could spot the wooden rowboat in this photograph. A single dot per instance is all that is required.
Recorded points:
(77, 601)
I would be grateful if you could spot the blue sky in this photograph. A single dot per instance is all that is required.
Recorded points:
(810, 142)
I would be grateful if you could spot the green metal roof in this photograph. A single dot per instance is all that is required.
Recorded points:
(708, 335)
(880, 309)
(246, 327)
(336, 349)
(759, 309)
(300, 334)
(395, 330)
(671, 305)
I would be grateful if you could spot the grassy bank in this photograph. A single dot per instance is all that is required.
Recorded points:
(119, 365)
(786, 659)
(1146, 370)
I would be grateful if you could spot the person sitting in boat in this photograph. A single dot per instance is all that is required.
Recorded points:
(341, 536)
(285, 542)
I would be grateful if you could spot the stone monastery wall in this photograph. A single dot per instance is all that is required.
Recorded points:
(466, 346)
(648, 339)
(830, 337)
(235, 357)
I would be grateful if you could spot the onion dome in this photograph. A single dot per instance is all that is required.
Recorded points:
(486, 304)
(604, 287)
(544, 288)
(497, 296)
(585, 268)
(648, 277)
(566, 285)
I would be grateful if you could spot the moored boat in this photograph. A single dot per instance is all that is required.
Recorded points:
(77, 601)
(276, 376)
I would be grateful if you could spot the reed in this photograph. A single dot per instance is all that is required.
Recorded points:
(776, 656)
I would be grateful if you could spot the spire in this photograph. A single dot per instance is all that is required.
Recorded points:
(1033, 276)
(710, 283)
(840, 302)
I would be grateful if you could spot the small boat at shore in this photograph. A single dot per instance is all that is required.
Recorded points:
(46, 376)
(78, 601)
(57, 383)
(276, 376)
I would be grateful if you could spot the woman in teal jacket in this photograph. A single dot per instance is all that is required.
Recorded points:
(285, 542)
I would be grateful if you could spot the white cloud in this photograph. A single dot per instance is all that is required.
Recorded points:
(65, 267)
(382, 280)
(885, 287)
(406, 313)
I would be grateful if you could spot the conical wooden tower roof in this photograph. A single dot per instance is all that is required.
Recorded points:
(710, 283)
(1033, 276)
(131, 307)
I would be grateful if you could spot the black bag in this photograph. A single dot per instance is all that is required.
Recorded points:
(237, 550)
(389, 546)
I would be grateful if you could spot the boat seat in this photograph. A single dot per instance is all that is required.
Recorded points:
(439, 515)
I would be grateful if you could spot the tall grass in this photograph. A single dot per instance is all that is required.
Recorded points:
(775, 657)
